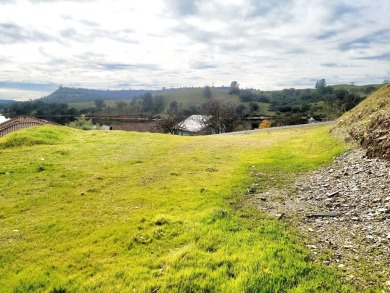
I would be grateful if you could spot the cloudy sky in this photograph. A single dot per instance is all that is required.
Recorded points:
(118, 44)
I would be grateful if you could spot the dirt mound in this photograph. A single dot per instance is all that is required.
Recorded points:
(368, 124)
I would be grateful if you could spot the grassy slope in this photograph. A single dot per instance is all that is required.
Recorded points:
(115, 211)
(361, 90)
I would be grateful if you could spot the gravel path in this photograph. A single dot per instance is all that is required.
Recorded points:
(344, 213)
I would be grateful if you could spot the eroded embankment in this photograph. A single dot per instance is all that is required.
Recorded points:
(368, 124)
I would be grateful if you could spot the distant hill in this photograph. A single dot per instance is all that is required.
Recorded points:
(369, 123)
(76, 95)
(7, 101)
(69, 95)
(284, 107)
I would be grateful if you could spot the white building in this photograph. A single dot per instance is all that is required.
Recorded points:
(193, 125)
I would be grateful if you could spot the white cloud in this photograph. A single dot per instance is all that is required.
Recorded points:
(105, 44)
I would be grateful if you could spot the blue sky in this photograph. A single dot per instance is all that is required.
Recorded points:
(118, 44)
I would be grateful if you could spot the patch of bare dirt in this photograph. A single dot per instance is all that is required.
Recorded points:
(376, 140)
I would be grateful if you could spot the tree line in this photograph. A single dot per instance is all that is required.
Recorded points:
(288, 106)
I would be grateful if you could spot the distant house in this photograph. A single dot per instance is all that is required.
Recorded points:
(193, 125)
(105, 127)
(21, 122)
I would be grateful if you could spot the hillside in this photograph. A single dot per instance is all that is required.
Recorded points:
(369, 124)
(119, 211)
(76, 95)
(362, 90)
(7, 101)
(287, 106)
(73, 95)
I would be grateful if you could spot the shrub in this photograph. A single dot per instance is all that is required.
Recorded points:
(265, 124)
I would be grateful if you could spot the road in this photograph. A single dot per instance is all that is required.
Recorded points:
(274, 128)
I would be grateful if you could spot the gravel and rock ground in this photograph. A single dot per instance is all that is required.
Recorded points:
(343, 211)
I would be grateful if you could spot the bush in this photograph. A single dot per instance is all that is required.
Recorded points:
(82, 123)
(265, 124)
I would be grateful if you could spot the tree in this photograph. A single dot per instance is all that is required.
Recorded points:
(246, 96)
(82, 123)
(173, 107)
(320, 84)
(207, 92)
(253, 107)
(158, 103)
(234, 88)
(172, 121)
(242, 110)
(147, 102)
(100, 104)
(121, 106)
(222, 116)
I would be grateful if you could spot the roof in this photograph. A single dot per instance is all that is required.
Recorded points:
(3, 119)
(194, 123)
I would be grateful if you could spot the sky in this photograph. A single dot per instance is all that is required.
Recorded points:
(150, 44)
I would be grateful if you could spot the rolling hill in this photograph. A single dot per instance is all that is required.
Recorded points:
(6, 101)
(76, 95)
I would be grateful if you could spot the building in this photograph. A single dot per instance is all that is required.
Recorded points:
(193, 125)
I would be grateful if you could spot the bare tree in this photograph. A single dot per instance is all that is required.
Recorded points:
(222, 116)
(172, 122)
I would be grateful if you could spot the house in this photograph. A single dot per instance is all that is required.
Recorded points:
(21, 122)
(193, 125)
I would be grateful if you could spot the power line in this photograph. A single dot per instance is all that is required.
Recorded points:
(243, 26)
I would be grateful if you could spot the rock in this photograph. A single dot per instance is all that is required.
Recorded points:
(382, 210)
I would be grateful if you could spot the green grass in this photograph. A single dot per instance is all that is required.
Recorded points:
(120, 212)
(86, 105)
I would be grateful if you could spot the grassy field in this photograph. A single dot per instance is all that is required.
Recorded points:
(129, 212)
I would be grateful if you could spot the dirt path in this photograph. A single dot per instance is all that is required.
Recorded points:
(344, 213)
